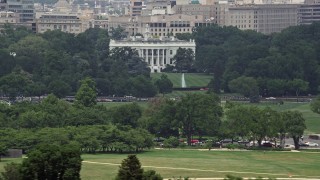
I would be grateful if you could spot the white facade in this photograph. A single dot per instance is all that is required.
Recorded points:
(156, 53)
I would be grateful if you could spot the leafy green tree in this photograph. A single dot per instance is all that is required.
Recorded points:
(141, 86)
(3, 150)
(151, 175)
(49, 161)
(199, 114)
(297, 86)
(246, 86)
(30, 52)
(36, 89)
(184, 59)
(130, 169)
(171, 142)
(14, 84)
(164, 84)
(160, 118)
(315, 105)
(12, 171)
(295, 125)
(87, 93)
(7, 62)
(127, 114)
(59, 88)
(184, 36)
(117, 33)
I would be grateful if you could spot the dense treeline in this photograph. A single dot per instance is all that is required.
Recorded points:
(280, 64)
(90, 139)
(285, 63)
(55, 62)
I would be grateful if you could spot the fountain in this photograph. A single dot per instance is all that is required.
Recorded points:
(183, 82)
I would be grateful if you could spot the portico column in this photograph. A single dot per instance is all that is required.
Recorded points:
(163, 57)
(152, 62)
(147, 55)
(158, 59)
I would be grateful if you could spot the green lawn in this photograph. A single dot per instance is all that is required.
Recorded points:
(194, 163)
(143, 104)
(192, 79)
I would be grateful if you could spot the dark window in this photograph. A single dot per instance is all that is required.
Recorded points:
(137, 3)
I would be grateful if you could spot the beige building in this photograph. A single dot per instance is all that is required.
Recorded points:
(157, 53)
(207, 11)
(264, 18)
(158, 25)
(8, 17)
(309, 12)
(64, 22)
(64, 17)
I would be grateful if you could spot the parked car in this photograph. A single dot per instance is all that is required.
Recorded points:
(303, 144)
(312, 144)
(268, 144)
(289, 146)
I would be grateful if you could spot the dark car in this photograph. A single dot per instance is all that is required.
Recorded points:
(303, 144)
(268, 144)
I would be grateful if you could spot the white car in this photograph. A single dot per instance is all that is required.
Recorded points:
(270, 98)
(312, 144)
(289, 146)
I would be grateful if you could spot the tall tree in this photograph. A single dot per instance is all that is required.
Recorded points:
(87, 93)
(199, 114)
(164, 84)
(49, 161)
(295, 124)
(3, 150)
(315, 105)
(184, 59)
(130, 169)
(246, 86)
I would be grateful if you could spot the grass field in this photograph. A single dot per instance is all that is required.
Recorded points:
(194, 163)
(192, 79)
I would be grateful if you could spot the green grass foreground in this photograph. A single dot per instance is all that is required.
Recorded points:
(192, 79)
(194, 163)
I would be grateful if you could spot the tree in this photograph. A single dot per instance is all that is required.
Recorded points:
(117, 33)
(297, 86)
(184, 59)
(164, 84)
(3, 151)
(151, 175)
(59, 88)
(295, 125)
(199, 114)
(246, 86)
(141, 86)
(171, 142)
(14, 84)
(130, 169)
(160, 118)
(87, 93)
(12, 171)
(315, 105)
(50, 161)
(127, 114)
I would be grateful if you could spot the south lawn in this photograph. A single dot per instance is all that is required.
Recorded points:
(195, 163)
